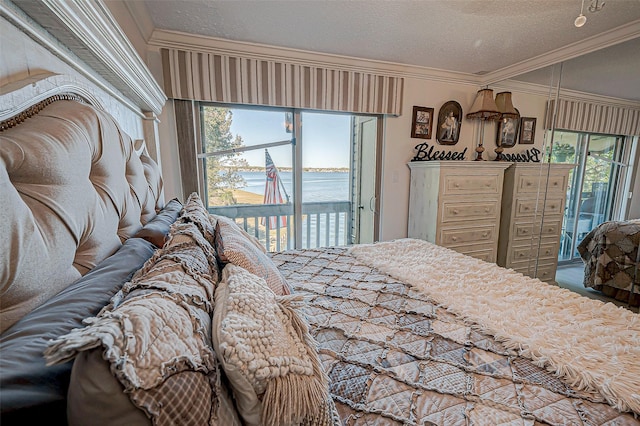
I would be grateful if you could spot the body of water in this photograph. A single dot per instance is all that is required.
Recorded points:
(316, 186)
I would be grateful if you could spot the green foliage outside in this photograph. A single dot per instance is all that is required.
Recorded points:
(221, 175)
(596, 172)
(563, 153)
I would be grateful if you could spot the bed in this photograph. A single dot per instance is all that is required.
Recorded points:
(611, 255)
(173, 315)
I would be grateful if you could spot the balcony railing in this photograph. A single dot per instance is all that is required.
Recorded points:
(323, 223)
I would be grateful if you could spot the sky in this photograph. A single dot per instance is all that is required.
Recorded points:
(326, 137)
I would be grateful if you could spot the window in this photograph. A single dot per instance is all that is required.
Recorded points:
(289, 177)
(594, 194)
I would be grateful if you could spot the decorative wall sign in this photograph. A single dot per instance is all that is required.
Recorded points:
(422, 124)
(527, 130)
(529, 156)
(449, 122)
(426, 153)
(507, 132)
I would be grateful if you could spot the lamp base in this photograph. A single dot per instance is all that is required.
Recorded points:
(498, 152)
(479, 151)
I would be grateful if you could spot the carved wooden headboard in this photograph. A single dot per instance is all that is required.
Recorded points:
(73, 187)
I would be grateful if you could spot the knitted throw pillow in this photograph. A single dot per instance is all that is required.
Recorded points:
(265, 349)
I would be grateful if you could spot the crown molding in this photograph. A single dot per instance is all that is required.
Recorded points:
(193, 42)
(591, 44)
(87, 28)
(543, 90)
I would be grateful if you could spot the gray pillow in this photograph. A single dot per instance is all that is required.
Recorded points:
(155, 231)
(31, 392)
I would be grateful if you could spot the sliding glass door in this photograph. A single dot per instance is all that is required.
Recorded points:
(595, 185)
(291, 178)
(246, 163)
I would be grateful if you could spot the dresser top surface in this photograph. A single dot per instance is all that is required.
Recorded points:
(500, 165)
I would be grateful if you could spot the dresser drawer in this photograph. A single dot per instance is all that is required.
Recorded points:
(527, 206)
(525, 229)
(488, 255)
(529, 252)
(452, 237)
(453, 184)
(453, 211)
(557, 184)
(549, 252)
(531, 183)
(484, 251)
(544, 271)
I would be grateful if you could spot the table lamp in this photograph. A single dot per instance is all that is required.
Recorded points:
(484, 108)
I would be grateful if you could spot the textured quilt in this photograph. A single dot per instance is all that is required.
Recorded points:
(395, 357)
(155, 335)
(611, 256)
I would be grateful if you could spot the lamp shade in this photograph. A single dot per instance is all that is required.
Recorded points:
(484, 107)
(505, 106)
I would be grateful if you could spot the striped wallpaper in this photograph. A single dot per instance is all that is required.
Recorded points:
(204, 76)
(594, 118)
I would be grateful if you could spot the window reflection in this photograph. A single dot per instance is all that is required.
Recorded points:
(591, 193)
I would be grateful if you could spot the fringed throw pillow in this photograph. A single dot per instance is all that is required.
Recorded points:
(265, 349)
(236, 246)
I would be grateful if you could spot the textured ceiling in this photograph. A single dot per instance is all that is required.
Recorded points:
(470, 36)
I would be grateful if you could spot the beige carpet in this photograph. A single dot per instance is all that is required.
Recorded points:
(593, 345)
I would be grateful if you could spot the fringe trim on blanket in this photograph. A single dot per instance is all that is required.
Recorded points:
(592, 345)
(114, 331)
(291, 399)
(65, 349)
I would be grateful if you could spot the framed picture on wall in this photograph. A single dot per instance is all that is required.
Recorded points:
(527, 130)
(507, 131)
(449, 122)
(422, 124)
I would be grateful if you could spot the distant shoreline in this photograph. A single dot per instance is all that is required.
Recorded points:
(246, 197)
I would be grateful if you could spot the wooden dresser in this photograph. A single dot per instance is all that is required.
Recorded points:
(456, 204)
(532, 218)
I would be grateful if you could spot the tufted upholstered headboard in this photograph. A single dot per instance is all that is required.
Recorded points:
(73, 187)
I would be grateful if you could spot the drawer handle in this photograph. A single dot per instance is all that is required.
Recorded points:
(485, 234)
(555, 183)
(455, 212)
(526, 208)
(454, 238)
(528, 183)
(547, 252)
(457, 185)
(553, 206)
(487, 210)
(521, 254)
